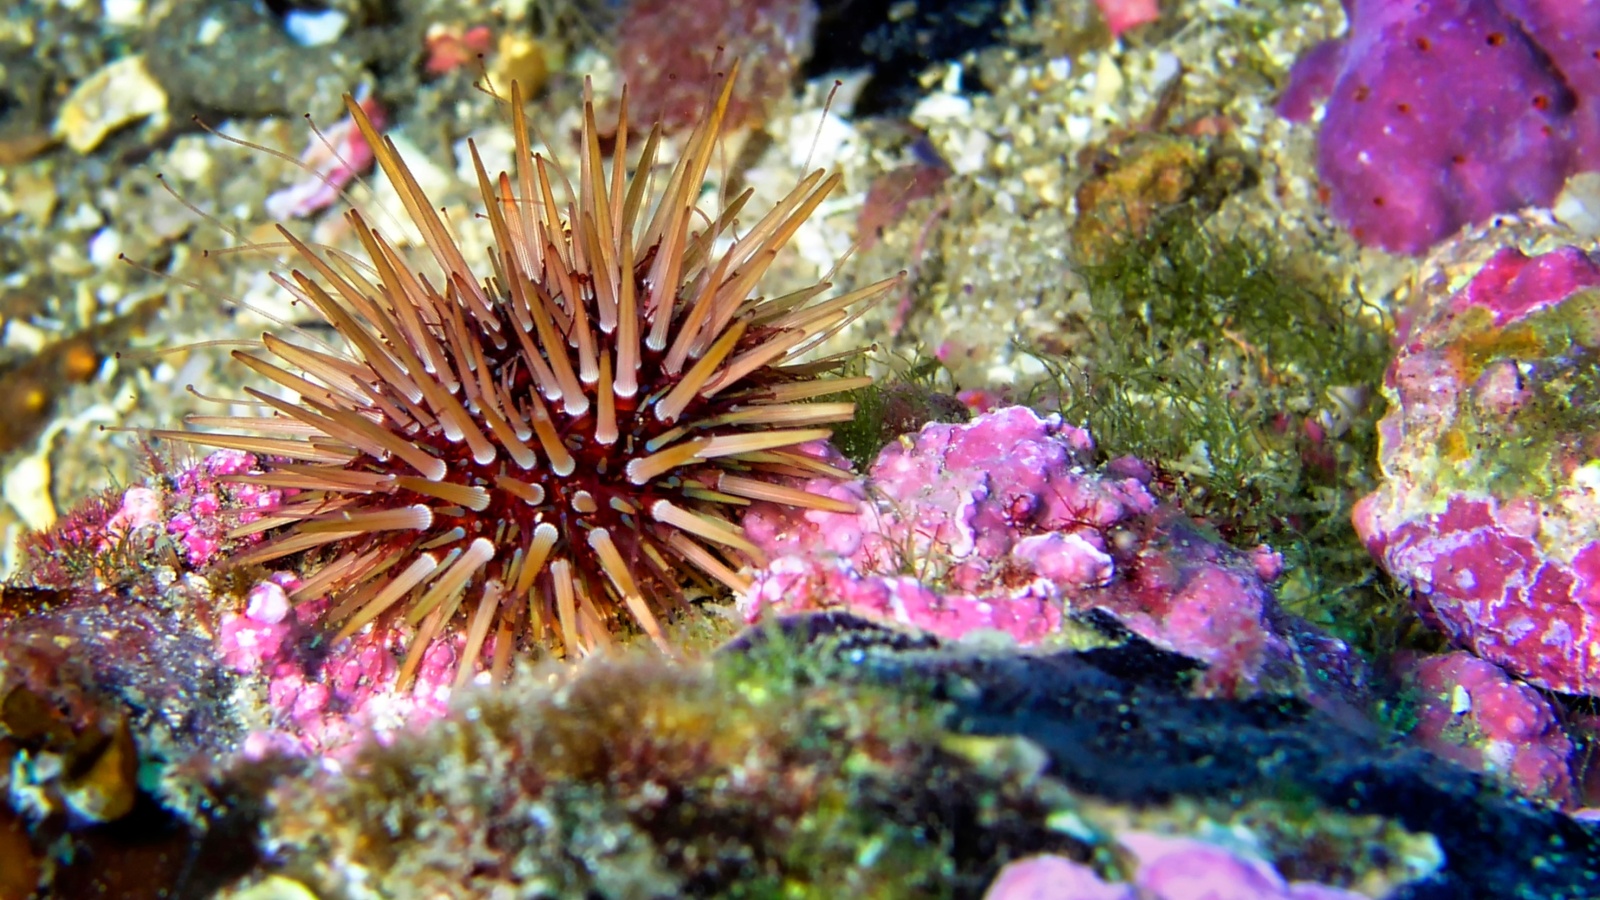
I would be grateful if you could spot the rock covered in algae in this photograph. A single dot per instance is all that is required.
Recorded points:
(1132, 181)
(636, 778)
(1490, 504)
(1118, 723)
(1470, 711)
(1004, 524)
(316, 696)
(114, 716)
(808, 760)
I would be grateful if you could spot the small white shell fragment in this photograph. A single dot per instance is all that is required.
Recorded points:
(105, 247)
(1108, 81)
(24, 336)
(27, 489)
(123, 13)
(1578, 206)
(1167, 67)
(941, 107)
(315, 29)
(210, 31)
(824, 144)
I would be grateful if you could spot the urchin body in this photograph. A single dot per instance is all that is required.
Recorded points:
(544, 445)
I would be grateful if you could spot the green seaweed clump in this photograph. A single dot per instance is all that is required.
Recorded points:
(1249, 385)
(915, 391)
(1136, 177)
(635, 777)
(1525, 445)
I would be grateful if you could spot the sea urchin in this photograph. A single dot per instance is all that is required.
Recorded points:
(543, 447)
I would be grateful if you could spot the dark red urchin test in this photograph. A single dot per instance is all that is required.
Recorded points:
(540, 450)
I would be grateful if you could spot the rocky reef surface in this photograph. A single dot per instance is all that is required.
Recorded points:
(1189, 543)
(1489, 507)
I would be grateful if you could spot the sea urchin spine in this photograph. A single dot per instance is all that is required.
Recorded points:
(541, 447)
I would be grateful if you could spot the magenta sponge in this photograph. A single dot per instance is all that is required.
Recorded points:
(1444, 112)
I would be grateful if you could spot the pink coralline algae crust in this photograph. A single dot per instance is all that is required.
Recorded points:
(1471, 712)
(1512, 286)
(141, 507)
(1182, 868)
(1490, 504)
(1444, 112)
(1001, 525)
(1168, 868)
(1054, 878)
(195, 510)
(1126, 15)
(321, 699)
(204, 505)
(331, 160)
(672, 53)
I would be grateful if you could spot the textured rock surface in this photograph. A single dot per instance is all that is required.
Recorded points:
(1470, 711)
(1490, 506)
(1115, 726)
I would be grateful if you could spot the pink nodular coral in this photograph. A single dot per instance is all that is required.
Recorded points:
(1183, 868)
(1002, 525)
(141, 506)
(319, 698)
(322, 699)
(196, 504)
